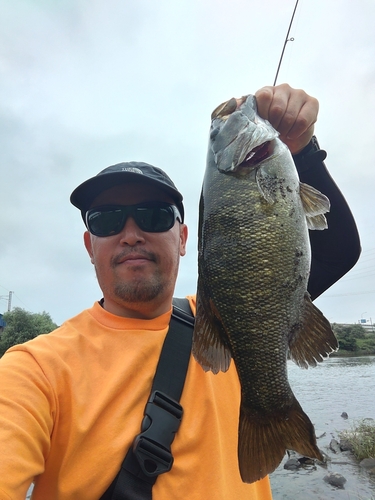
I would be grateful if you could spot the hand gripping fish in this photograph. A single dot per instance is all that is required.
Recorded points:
(252, 300)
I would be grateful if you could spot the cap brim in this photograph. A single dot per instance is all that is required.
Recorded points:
(83, 196)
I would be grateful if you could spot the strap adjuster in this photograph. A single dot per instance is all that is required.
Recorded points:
(152, 446)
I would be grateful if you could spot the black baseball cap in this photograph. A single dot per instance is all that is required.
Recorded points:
(121, 173)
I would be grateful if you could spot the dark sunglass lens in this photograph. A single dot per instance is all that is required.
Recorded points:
(105, 222)
(152, 218)
(155, 219)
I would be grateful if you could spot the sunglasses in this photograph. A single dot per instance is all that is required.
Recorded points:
(152, 217)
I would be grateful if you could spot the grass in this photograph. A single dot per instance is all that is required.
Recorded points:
(362, 438)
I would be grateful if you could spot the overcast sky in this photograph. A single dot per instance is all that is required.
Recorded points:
(88, 83)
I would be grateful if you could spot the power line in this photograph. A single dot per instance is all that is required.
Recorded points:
(8, 298)
(369, 292)
(359, 276)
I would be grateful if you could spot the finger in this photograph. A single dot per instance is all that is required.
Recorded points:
(283, 108)
(264, 98)
(274, 103)
(302, 120)
(292, 112)
(299, 134)
(299, 114)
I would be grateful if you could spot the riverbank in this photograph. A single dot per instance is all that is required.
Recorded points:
(311, 481)
(341, 353)
(341, 478)
(338, 386)
(354, 340)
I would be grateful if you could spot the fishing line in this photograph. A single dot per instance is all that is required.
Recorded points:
(287, 39)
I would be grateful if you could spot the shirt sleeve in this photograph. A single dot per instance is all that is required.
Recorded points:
(336, 249)
(26, 422)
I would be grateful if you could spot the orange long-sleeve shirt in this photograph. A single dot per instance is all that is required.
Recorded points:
(72, 401)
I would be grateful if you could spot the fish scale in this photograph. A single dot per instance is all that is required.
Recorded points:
(244, 260)
(253, 268)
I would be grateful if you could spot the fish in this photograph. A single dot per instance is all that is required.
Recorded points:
(254, 262)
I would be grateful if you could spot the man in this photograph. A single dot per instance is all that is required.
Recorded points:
(71, 402)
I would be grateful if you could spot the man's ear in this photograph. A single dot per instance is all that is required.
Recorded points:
(183, 239)
(88, 245)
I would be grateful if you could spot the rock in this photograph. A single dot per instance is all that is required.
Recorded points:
(293, 454)
(296, 455)
(345, 445)
(292, 464)
(306, 461)
(335, 479)
(334, 446)
(344, 415)
(369, 464)
(326, 459)
(345, 441)
(296, 460)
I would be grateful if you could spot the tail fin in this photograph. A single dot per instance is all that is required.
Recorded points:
(263, 441)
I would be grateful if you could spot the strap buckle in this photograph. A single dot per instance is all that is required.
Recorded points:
(152, 446)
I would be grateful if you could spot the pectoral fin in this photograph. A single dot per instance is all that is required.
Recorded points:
(315, 205)
(209, 346)
(312, 339)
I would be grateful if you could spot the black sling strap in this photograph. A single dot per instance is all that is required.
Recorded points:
(150, 455)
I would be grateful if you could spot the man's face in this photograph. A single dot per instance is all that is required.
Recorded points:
(136, 270)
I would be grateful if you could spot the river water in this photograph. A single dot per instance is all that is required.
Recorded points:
(335, 386)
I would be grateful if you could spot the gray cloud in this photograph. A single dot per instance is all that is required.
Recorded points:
(85, 84)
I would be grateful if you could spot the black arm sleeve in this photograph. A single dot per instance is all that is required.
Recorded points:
(334, 250)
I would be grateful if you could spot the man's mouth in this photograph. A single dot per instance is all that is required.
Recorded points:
(133, 258)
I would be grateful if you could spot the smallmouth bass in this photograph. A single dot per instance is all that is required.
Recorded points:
(253, 269)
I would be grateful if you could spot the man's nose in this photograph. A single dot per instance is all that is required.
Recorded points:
(131, 234)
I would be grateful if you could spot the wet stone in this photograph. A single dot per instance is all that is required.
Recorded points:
(292, 464)
(368, 464)
(335, 479)
(345, 445)
(334, 446)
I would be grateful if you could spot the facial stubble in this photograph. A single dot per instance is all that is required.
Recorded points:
(140, 289)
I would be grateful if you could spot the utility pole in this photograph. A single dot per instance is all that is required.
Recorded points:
(10, 301)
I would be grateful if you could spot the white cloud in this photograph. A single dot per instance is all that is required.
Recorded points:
(85, 84)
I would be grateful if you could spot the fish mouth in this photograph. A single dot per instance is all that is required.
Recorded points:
(257, 155)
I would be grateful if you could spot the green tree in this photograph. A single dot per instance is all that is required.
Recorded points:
(367, 344)
(357, 331)
(348, 335)
(22, 325)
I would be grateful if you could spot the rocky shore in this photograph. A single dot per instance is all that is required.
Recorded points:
(340, 476)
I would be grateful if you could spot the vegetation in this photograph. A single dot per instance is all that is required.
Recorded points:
(362, 439)
(22, 325)
(353, 339)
